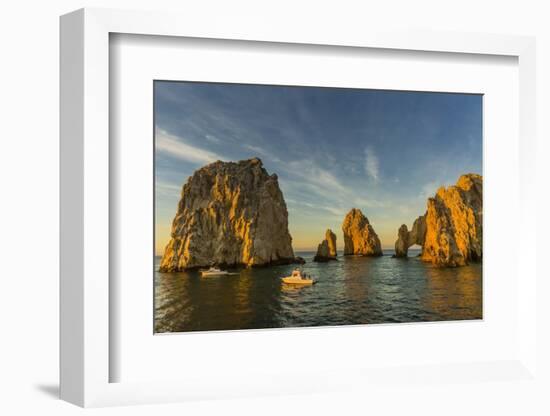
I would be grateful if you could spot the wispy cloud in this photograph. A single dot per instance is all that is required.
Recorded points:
(315, 176)
(212, 139)
(166, 188)
(429, 189)
(368, 202)
(256, 149)
(259, 151)
(175, 147)
(372, 165)
(336, 211)
(330, 193)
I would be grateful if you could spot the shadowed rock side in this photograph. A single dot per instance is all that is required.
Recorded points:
(359, 236)
(406, 238)
(229, 214)
(326, 251)
(450, 232)
(402, 243)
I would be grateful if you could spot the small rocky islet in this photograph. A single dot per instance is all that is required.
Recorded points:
(360, 239)
(326, 251)
(233, 214)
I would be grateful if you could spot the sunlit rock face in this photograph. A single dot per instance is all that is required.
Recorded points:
(359, 236)
(326, 251)
(406, 238)
(454, 222)
(229, 214)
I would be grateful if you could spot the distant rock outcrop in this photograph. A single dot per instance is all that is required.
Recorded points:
(331, 239)
(402, 243)
(229, 214)
(359, 236)
(450, 232)
(406, 238)
(326, 251)
(454, 223)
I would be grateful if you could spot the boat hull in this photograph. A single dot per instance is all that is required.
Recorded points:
(294, 281)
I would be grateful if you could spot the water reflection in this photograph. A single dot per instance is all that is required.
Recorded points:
(454, 293)
(174, 303)
(353, 290)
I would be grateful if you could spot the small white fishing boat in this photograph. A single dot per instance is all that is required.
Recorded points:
(213, 271)
(298, 278)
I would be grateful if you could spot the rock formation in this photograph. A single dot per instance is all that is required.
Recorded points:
(359, 236)
(450, 232)
(406, 238)
(229, 214)
(454, 222)
(402, 243)
(326, 251)
(331, 240)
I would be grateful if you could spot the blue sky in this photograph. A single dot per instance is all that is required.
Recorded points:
(333, 149)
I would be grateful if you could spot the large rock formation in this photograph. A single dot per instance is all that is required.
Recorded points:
(326, 251)
(359, 236)
(454, 223)
(229, 214)
(450, 232)
(406, 238)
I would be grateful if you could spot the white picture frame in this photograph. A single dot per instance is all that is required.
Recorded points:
(85, 183)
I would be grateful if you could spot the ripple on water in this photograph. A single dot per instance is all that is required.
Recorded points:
(352, 290)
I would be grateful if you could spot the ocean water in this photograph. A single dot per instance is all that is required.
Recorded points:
(352, 290)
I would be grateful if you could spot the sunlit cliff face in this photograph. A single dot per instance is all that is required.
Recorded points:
(229, 214)
(454, 223)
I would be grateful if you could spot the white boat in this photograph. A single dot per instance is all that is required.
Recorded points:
(298, 278)
(213, 271)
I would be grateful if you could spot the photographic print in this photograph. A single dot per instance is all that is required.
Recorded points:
(292, 206)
